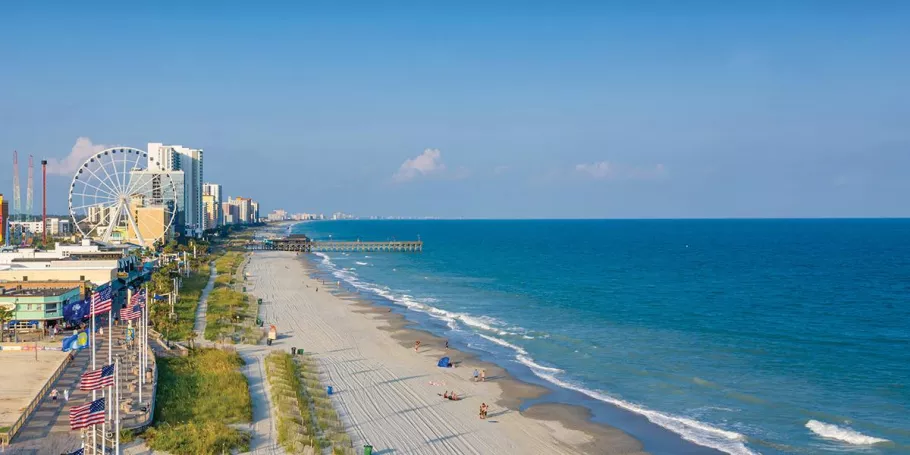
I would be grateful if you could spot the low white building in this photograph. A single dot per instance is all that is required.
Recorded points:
(55, 226)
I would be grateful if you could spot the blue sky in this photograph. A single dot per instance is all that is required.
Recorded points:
(481, 109)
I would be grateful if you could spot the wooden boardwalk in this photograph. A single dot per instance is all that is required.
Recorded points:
(303, 244)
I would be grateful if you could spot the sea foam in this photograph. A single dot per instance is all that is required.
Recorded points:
(831, 431)
(689, 429)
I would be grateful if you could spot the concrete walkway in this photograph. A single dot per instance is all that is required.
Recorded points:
(199, 325)
(48, 431)
(263, 428)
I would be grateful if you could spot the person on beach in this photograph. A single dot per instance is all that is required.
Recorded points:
(445, 394)
(417, 346)
(483, 375)
(66, 394)
(476, 374)
(447, 345)
(54, 394)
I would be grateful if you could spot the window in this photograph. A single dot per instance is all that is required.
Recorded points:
(81, 277)
(24, 278)
(50, 308)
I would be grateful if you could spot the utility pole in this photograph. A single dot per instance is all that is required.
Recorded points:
(43, 196)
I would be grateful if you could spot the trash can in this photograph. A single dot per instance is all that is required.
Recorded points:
(259, 301)
(293, 351)
(300, 351)
(328, 390)
(244, 289)
(368, 450)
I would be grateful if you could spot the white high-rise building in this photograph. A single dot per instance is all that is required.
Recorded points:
(180, 158)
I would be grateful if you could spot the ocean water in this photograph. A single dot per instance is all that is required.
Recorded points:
(745, 336)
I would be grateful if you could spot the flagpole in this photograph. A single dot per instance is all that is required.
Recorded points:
(117, 404)
(94, 392)
(139, 336)
(145, 330)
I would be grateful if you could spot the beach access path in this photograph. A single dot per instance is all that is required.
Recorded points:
(262, 428)
(199, 324)
(388, 395)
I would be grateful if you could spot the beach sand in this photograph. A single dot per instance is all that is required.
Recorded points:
(22, 377)
(390, 396)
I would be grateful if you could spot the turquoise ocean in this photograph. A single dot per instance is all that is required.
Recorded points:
(694, 336)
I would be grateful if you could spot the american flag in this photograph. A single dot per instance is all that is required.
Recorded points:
(101, 301)
(130, 313)
(138, 298)
(97, 379)
(87, 415)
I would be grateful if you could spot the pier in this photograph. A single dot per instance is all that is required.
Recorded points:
(300, 243)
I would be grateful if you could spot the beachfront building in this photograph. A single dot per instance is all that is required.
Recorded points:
(169, 158)
(278, 215)
(212, 205)
(155, 183)
(243, 210)
(228, 213)
(55, 227)
(39, 304)
(212, 212)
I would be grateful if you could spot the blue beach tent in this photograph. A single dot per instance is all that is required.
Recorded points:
(443, 362)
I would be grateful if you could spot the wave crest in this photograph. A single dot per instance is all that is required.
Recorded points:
(850, 436)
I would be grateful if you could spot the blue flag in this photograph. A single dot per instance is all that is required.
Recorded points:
(76, 342)
(76, 311)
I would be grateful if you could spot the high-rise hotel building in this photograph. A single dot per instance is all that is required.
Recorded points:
(180, 158)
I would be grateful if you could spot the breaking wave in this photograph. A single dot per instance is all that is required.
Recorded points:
(831, 431)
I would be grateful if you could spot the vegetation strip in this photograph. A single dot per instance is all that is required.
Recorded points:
(199, 397)
(307, 421)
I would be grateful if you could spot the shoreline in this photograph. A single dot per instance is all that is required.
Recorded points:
(579, 410)
(389, 396)
(514, 392)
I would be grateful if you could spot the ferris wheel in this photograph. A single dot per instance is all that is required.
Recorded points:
(122, 194)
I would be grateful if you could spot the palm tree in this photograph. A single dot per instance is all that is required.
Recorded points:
(6, 314)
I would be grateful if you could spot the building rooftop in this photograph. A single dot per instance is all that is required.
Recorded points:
(52, 292)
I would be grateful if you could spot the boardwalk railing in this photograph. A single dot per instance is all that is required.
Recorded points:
(8, 435)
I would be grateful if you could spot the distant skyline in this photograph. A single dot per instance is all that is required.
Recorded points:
(657, 109)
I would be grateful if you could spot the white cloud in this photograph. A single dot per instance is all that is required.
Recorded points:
(607, 170)
(598, 170)
(82, 150)
(428, 162)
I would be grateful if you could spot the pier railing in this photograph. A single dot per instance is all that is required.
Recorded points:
(308, 245)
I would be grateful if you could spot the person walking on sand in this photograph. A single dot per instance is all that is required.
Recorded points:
(447, 345)
(417, 346)
(483, 375)
(476, 374)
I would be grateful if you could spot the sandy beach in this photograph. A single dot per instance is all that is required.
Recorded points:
(390, 396)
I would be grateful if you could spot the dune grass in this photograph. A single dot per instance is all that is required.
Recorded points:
(199, 396)
(296, 429)
(307, 420)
